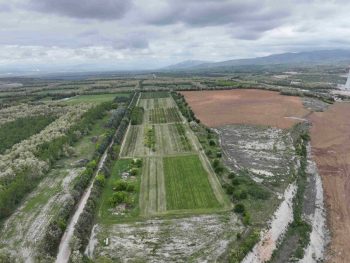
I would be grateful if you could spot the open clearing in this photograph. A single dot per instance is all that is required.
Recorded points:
(187, 185)
(330, 139)
(258, 107)
(201, 238)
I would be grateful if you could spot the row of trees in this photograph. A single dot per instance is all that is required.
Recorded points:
(87, 218)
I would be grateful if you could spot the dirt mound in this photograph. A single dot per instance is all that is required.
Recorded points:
(218, 108)
(330, 139)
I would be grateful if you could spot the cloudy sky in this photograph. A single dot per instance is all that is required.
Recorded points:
(145, 34)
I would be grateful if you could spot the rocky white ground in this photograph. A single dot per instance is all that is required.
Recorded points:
(198, 238)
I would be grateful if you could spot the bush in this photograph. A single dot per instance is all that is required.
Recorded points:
(239, 208)
(118, 198)
(216, 163)
(246, 218)
(120, 185)
(100, 180)
(231, 175)
(229, 189)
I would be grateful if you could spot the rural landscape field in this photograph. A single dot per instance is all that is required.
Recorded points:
(166, 171)
(174, 131)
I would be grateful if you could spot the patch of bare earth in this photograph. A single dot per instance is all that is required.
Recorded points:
(193, 239)
(330, 139)
(258, 107)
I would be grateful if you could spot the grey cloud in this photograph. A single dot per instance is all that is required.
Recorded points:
(131, 41)
(4, 7)
(87, 9)
(254, 17)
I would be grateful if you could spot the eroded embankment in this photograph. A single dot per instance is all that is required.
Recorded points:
(314, 212)
(330, 134)
(283, 216)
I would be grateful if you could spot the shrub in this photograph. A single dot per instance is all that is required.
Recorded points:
(120, 185)
(216, 163)
(118, 198)
(239, 208)
(231, 175)
(212, 143)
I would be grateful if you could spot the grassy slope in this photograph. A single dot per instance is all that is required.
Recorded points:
(187, 185)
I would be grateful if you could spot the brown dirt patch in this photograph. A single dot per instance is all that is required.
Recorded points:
(259, 107)
(330, 139)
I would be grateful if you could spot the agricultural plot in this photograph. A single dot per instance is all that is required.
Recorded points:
(331, 151)
(172, 139)
(187, 185)
(164, 115)
(134, 144)
(169, 150)
(255, 107)
(154, 95)
(152, 194)
(157, 103)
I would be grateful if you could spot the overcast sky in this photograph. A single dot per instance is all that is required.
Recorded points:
(143, 34)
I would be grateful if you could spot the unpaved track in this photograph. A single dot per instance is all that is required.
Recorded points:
(330, 139)
(258, 107)
(64, 249)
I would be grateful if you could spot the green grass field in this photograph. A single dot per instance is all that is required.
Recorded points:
(94, 98)
(187, 185)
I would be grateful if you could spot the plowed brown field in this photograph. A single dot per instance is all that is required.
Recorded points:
(330, 138)
(259, 107)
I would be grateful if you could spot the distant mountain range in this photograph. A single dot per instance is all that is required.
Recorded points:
(187, 64)
(312, 57)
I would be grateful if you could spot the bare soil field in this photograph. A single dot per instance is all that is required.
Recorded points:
(191, 239)
(330, 134)
(218, 108)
